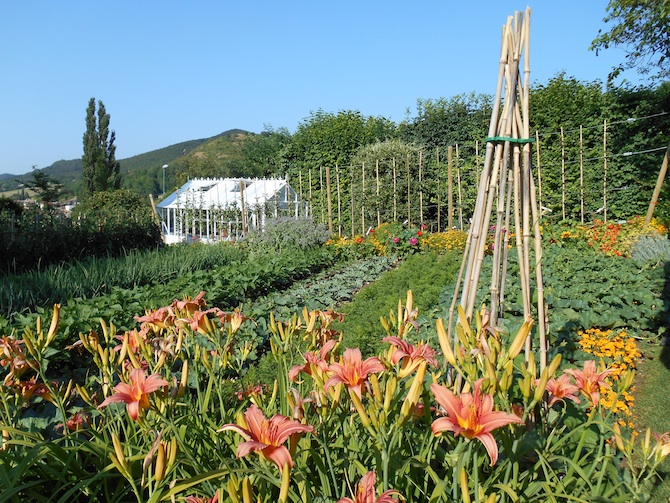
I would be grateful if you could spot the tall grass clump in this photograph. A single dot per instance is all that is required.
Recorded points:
(96, 276)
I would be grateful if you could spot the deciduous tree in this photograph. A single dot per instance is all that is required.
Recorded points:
(101, 170)
(642, 27)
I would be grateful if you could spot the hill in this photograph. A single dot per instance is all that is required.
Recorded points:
(143, 173)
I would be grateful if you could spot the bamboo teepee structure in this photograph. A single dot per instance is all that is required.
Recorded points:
(506, 193)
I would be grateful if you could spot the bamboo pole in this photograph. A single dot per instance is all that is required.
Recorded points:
(460, 192)
(300, 189)
(339, 202)
(363, 200)
(539, 168)
(439, 208)
(657, 188)
(311, 201)
(351, 191)
(323, 216)
(450, 187)
(581, 172)
(330, 202)
(395, 194)
(409, 205)
(420, 189)
(562, 173)
(379, 217)
(605, 170)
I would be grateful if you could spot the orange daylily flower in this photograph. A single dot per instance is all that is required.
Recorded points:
(411, 355)
(204, 499)
(365, 492)
(190, 305)
(156, 320)
(353, 371)
(561, 389)
(313, 361)
(136, 393)
(471, 415)
(590, 380)
(267, 435)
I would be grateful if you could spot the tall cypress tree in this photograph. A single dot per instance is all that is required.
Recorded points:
(101, 170)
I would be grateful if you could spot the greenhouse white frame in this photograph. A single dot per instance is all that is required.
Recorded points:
(217, 209)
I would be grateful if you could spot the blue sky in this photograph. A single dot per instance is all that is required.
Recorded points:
(170, 71)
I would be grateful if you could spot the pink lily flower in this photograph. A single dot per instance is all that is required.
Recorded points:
(313, 361)
(590, 380)
(353, 371)
(411, 355)
(471, 415)
(136, 393)
(267, 435)
(561, 389)
(365, 492)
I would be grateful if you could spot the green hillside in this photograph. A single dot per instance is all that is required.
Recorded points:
(143, 173)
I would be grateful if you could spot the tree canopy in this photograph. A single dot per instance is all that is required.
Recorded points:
(101, 171)
(642, 27)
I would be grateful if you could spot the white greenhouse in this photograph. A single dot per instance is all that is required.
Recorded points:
(215, 209)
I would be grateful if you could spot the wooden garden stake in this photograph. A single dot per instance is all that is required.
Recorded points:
(581, 172)
(379, 217)
(420, 190)
(657, 189)
(562, 173)
(395, 194)
(460, 192)
(450, 188)
(339, 202)
(605, 170)
(323, 216)
(330, 202)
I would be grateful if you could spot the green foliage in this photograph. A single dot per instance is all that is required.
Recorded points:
(101, 171)
(424, 274)
(47, 190)
(642, 28)
(95, 276)
(285, 233)
(651, 249)
(43, 237)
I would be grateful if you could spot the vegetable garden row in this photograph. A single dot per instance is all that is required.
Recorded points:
(267, 371)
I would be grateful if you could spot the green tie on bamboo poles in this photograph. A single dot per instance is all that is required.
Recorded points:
(657, 189)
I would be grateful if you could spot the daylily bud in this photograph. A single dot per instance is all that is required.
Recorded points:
(55, 321)
(172, 453)
(247, 493)
(184, 379)
(391, 385)
(618, 440)
(465, 490)
(385, 323)
(376, 390)
(233, 489)
(541, 386)
(555, 363)
(83, 393)
(520, 339)
(159, 473)
(118, 449)
(627, 380)
(525, 386)
(445, 344)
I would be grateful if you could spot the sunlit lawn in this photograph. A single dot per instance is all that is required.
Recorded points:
(652, 402)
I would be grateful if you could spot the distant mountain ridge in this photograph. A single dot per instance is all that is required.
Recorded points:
(142, 172)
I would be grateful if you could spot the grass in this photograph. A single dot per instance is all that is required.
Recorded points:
(652, 402)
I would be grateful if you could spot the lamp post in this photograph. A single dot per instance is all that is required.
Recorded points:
(165, 166)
